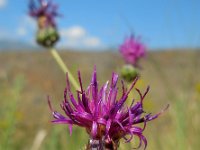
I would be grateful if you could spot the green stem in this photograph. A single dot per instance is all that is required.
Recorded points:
(64, 68)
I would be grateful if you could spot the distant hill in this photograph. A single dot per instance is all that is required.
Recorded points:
(6, 44)
(17, 45)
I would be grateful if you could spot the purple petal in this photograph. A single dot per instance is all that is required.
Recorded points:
(83, 115)
(57, 115)
(101, 121)
(94, 129)
(108, 124)
(62, 121)
(70, 129)
(114, 80)
(94, 86)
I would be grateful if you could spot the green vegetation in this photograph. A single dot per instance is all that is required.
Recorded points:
(26, 78)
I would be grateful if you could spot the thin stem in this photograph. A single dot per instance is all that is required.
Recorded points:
(95, 145)
(64, 68)
(101, 145)
(39, 139)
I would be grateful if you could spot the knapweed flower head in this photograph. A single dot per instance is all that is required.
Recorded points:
(44, 11)
(103, 113)
(132, 50)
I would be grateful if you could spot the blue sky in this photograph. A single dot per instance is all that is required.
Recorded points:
(105, 23)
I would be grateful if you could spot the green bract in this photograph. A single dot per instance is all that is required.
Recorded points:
(47, 37)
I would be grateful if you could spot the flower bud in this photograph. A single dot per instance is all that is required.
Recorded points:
(47, 37)
(129, 72)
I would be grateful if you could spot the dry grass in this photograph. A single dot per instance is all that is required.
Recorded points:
(173, 77)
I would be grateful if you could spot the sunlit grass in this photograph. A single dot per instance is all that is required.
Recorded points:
(24, 111)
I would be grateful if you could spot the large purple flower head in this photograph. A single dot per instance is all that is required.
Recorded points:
(44, 11)
(103, 113)
(132, 50)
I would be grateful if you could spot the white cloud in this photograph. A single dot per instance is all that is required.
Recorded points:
(2, 3)
(25, 29)
(28, 21)
(78, 37)
(75, 32)
(21, 31)
(27, 25)
(92, 41)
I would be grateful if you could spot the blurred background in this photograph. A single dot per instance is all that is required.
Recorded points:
(91, 32)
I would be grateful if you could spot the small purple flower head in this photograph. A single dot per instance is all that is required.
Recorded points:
(103, 113)
(44, 11)
(132, 50)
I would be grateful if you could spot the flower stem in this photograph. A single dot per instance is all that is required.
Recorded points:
(64, 68)
(101, 145)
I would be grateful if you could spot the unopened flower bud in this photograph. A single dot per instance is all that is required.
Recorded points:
(47, 37)
(129, 72)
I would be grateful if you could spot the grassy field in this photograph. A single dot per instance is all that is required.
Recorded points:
(26, 78)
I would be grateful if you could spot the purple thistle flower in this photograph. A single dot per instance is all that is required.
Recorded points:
(132, 50)
(44, 11)
(102, 113)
